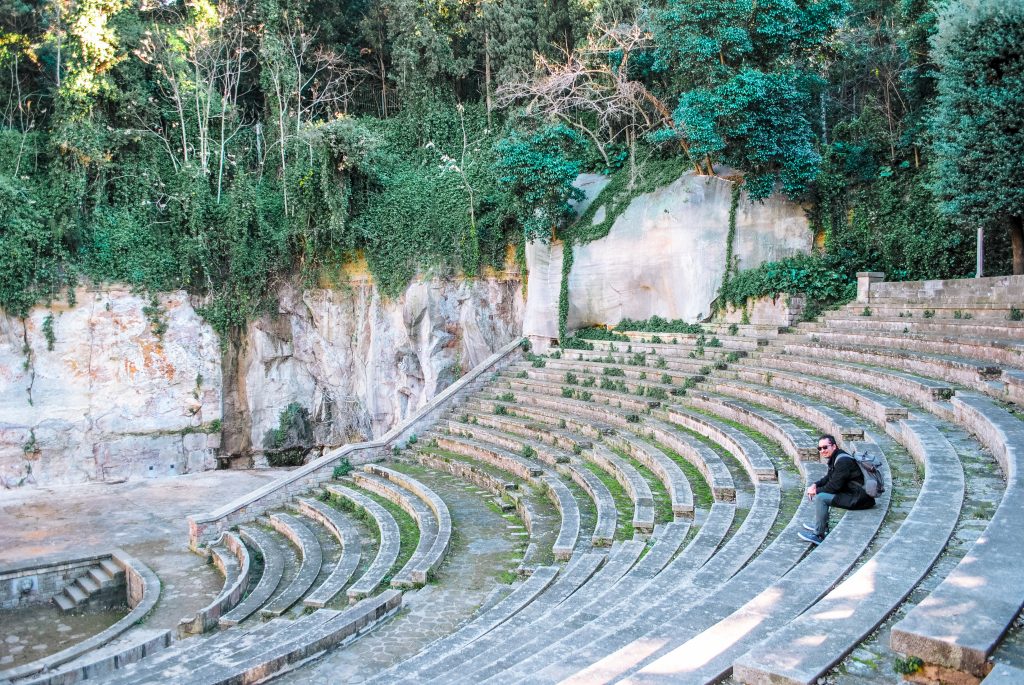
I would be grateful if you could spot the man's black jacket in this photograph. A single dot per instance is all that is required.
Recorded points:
(846, 482)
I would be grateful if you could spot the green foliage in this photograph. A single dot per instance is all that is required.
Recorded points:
(907, 665)
(538, 170)
(506, 397)
(571, 378)
(343, 468)
(755, 119)
(1015, 314)
(599, 333)
(976, 128)
(287, 444)
(611, 371)
(660, 325)
(48, 333)
(733, 329)
(825, 280)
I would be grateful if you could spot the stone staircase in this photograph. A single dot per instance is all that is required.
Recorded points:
(658, 482)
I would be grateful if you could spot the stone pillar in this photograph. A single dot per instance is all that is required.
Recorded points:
(864, 281)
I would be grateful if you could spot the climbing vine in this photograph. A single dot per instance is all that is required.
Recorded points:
(730, 262)
(563, 290)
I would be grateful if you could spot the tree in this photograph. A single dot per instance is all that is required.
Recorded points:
(978, 121)
(746, 73)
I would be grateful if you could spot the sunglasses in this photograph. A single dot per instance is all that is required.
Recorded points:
(822, 448)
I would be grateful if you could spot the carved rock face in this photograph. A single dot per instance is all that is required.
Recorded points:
(112, 399)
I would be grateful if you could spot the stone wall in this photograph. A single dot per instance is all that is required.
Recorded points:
(359, 364)
(664, 255)
(112, 399)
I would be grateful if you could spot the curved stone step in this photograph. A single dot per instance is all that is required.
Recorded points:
(652, 364)
(569, 531)
(541, 538)
(273, 569)
(390, 541)
(638, 373)
(638, 489)
(627, 387)
(351, 550)
(659, 463)
(665, 543)
(697, 652)
(558, 492)
(806, 648)
(978, 328)
(599, 396)
(989, 350)
(499, 457)
(822, 416)
(907, 386)
(234, 563)
(861, 401)
(578, 571)
(442, 517)
(958, 370)
(552, 456)
(312, 560)
(607, 648)
(643, 603)
(414, 572)
(565, 439)
(798, 443)
(956, 625)
(548, 627)
(102, 663)
(545, 408)
(753, 457)
(607, 514)
(513, 603)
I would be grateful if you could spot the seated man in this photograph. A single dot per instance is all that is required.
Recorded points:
(842, 486)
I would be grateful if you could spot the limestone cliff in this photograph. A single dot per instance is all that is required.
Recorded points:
(360, 364)
(115, 397)
(664, 255)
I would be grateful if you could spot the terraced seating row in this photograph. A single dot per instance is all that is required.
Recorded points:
(791, 601)
(660, 482)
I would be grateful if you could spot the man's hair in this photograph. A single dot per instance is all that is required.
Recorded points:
(831, 440)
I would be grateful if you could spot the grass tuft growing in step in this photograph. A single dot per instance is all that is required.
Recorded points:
(659, 493)
(702, 496)
(623, 504)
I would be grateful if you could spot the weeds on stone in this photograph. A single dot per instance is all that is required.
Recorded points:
(589, 382)
(733, 329)
(1015, 314)
(866, 311)
(714, 342)
(929, 314)
(506, 397)
(571, 378)
(907, 665)
(666, 379)
(614, 372)
(345, 467)
(500, 410)
(522, 374)
(660, 363)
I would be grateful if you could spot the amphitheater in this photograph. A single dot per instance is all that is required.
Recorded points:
(625, 512)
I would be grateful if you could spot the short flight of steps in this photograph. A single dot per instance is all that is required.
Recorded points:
(102, 582)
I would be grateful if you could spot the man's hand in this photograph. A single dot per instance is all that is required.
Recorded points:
(812, 491)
